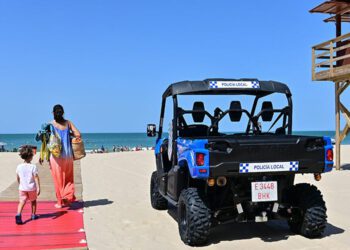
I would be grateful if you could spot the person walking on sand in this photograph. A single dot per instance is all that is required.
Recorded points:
(29, 183)
(62, 166)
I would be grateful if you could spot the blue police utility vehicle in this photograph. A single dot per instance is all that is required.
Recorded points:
(214, 177)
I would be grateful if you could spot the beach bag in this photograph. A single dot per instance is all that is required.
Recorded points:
(55, 143)
(78, 148)
(43, 135)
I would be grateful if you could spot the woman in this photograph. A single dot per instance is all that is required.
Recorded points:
(62, 166)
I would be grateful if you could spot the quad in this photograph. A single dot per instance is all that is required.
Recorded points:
(213, 177)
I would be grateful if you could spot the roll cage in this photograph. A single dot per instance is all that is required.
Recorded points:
(205, 87)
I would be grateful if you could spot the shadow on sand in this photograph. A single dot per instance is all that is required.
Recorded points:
(271, 231)
(93, 203)
(345, 167)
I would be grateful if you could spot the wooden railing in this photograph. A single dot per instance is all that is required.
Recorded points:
(329, 57)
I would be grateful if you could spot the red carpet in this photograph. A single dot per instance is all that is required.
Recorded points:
(55, 228)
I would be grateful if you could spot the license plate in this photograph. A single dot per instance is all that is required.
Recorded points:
(264, 191)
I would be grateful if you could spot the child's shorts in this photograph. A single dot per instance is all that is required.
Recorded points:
(27, 195)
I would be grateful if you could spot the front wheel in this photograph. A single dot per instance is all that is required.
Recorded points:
(194, 218)
(157, 200)
(309, 216)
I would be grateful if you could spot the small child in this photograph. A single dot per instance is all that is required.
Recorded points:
(29, 183)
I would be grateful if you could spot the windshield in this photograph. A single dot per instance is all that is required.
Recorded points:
(216, 115)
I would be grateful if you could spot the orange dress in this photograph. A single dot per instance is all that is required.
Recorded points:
(62, 169)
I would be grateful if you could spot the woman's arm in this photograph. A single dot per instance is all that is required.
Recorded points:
(74, 129)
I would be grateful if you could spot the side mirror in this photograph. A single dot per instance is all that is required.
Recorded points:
(235, 116)
(267, 113)
(151, 130)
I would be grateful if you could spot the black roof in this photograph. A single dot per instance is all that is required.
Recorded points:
(220, 86)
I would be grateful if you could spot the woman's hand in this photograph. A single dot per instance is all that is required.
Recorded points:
(38, 191)
(76, 140)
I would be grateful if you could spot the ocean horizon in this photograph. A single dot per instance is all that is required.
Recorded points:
(108, 140)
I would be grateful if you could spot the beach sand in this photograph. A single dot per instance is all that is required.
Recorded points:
(118, 214)
(131, 223)
(8, 165)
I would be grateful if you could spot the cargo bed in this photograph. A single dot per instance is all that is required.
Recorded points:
(229, 155)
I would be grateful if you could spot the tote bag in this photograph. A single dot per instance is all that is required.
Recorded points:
(78, 148)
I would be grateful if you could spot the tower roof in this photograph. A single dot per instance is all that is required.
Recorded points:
(334, 7)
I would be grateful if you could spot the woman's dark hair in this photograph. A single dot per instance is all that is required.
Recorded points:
(58, 112)
(26, 152)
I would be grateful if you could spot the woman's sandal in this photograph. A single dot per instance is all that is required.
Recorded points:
(58, 206)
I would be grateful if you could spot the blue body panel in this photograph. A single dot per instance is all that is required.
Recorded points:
(328, 165)
(186, 153)
(187, 149)
(158, 145)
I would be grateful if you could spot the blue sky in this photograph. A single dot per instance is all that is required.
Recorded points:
(108, 62)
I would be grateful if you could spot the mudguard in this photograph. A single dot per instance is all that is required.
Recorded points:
(328, 165)
(186, 154)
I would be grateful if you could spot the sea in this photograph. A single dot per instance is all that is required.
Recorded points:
(108, 140)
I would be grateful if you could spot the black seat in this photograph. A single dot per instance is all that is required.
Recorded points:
(195, 130)
(198, 112)
(280, 131)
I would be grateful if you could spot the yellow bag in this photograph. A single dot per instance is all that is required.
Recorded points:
(78, 148)
(55, 144)
(44, 151)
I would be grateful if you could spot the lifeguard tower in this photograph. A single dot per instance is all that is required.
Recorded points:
(331, 62)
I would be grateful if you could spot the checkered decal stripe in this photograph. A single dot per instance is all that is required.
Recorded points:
(234, 84)
(213, 84)
(255, 85)
(250, 167)
(294, 166)
(243, 167)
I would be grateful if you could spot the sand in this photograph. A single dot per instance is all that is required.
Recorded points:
(121, 216)
(118, 214)
(8, 164)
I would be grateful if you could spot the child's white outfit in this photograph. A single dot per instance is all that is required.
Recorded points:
(27, 186)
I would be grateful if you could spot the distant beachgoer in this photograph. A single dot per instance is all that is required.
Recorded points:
(29, 183)
(114, 148)
(102, 148)
(62, 166)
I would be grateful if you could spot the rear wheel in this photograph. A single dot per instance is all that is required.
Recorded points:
(194, 218)
(157, 200)
(309, 216)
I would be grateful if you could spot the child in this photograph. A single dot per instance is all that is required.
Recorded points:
(29, 183)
